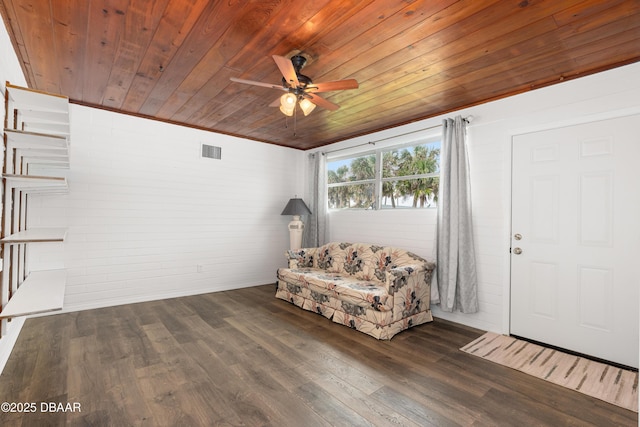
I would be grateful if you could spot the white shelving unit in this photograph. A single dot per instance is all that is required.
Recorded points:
(36, 133)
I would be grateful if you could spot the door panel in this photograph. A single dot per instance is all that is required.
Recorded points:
(576, 206)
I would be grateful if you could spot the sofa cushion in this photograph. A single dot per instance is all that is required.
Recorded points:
(346, 288)
(303, 258)
(330, 257)
(366, 262)
(358, 261)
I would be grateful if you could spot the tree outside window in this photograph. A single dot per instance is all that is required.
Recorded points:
(351, 183)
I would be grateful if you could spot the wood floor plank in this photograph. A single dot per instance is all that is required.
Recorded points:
(273, 399)
(421, 413)
(83, 381)
(126, 395)
(332, 410)
(46, 383)
(209, 309)
(321, 360)
(226, 392)
(378, 412)
(243, 357)
(162, 388)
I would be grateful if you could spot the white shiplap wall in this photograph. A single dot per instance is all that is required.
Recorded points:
(148, 218)
(387, 227)
(604, 95)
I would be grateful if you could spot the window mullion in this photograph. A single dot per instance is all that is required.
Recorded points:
(407, 177)
(378, 185)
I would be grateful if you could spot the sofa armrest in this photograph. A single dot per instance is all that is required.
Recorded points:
(410, 286)
(399, 277)
(301, 258)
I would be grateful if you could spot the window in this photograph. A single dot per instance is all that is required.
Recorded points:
(410, 176)
(351, 182)
(401, 177)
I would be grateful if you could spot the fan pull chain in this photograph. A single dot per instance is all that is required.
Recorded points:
(295, 119)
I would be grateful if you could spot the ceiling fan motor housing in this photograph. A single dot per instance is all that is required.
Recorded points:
(298, 62)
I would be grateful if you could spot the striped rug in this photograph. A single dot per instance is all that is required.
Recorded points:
(611, 384)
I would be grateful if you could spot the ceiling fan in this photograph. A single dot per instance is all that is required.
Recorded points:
(300, 89)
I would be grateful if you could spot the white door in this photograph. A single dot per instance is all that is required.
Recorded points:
(576, 238)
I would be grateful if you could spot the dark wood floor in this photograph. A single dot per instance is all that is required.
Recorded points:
(243, 357)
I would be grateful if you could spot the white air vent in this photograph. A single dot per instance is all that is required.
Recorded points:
(211, 151)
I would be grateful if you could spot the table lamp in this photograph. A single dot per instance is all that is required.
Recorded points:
(296, 207)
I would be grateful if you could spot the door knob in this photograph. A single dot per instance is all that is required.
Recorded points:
(517, 251)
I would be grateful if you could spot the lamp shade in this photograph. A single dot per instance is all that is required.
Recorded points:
(288, 100)
(296, 207)
(306, 106)
(286, 111)
(288, 104)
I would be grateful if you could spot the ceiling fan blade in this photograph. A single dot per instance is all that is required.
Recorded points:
(254, 83)
(321, 102)
(275, 103)
(329, 86)
(287, 70)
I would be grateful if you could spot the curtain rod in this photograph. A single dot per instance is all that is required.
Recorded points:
(467, 119)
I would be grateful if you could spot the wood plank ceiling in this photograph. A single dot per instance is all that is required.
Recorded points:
(172, 59)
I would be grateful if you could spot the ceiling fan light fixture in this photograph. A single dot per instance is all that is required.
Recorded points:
(287, 104)
(306, 106)
(288, 100)
(287, 112)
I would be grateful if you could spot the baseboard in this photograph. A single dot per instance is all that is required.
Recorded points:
(474, 320)
(8, 341)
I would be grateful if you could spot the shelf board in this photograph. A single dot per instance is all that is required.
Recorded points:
(48, 163)
(36, 184)
(60, 129)
(35, 235)
(42, 157)
(35, 157)
(42, 291)
(42, 153)
(36, 100)
(27, 140)
(45, 122)
(49, 117)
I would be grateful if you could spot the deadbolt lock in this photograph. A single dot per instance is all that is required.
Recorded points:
(517, 236)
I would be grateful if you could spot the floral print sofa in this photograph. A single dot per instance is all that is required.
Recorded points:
(377, 290)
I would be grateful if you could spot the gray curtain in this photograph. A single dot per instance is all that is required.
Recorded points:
(456, 265)
(315, 228)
